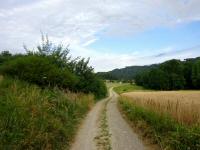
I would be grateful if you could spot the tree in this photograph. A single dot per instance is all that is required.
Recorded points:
(188, 65)
(4, 56)
(39, 70)
(158, 80)
(168, 76)
(196, 74)
(51, 65)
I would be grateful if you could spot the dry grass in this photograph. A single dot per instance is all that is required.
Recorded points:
(80, 98)
(184, 106)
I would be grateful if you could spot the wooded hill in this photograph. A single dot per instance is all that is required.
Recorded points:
(185, 74)
(127, 73)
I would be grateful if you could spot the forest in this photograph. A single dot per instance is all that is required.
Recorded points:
(172, 75)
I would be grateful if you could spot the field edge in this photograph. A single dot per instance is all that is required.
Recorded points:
(160, 130)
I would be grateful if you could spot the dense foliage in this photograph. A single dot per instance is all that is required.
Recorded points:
(5, 55)
(172, 75)
(39, 70)
(50, 65)
(35, 118)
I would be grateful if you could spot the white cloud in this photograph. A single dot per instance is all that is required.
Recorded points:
(89, 42)
(79, 21)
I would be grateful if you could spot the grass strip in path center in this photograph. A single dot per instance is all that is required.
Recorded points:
(103, 138)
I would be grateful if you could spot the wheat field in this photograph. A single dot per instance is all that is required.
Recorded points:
(184, 106)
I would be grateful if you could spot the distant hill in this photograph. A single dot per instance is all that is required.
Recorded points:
(126, 73)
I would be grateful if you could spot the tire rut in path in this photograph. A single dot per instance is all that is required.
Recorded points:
(122, 135)
(88, 130)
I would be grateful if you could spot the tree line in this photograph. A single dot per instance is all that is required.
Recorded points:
(172, 75)
(52, 66)
(124, 74)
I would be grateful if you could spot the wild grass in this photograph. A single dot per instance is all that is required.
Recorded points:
(128, 88)
(163, 119)
(35, 118)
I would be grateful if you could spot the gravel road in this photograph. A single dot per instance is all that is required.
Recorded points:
(122, 136)
(88, 130)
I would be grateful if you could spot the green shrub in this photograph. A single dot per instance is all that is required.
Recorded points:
(88, 81)
(5, 56)
(51, 65)
(32, 118)
(39, 70)
(46, 71)
(91, 84)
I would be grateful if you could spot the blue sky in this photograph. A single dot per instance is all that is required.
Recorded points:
(179, 37)
(113, 33)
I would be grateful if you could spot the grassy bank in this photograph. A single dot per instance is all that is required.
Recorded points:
(126, 87)
(161, 127)
(35, 118)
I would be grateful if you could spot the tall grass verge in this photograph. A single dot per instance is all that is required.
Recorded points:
(161, 127)
(35, 118)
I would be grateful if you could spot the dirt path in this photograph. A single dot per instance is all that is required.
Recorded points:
(122, 136)
(89, 129)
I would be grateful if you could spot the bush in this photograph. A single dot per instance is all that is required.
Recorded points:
(4, 56)
(39, 70)
(97, 87)
(89, 83)
(51, 65)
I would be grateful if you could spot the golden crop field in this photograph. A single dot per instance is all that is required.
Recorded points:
(184, 106)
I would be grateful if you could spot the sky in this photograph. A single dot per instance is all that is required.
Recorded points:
(112, 33)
